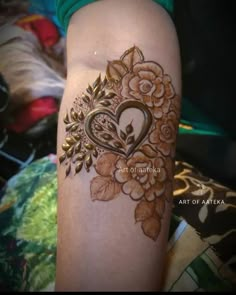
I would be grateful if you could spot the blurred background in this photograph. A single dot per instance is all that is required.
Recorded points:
(32, 71)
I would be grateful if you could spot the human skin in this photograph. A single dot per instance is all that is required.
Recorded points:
(110, 241)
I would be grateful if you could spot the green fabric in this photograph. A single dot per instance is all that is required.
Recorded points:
(167, 4)
(65, 9)
(190, 127)
(196, 121)
(28, 231)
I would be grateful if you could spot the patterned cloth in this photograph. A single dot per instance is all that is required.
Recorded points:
(202, 239)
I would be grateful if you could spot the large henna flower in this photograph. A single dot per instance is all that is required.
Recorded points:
(164, 134)
(147, 82)
(141, 176)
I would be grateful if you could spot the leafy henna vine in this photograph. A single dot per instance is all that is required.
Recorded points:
(125, 126)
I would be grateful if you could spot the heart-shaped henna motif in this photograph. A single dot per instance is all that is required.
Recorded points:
(114, 119)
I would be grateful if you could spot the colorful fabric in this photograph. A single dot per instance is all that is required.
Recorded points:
(202, 250)
(43, 28)
(28, 229)
(202, 238)
(32, 113)
(65, 9)
(46, 8)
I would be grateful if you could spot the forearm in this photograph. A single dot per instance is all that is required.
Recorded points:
(113, 224)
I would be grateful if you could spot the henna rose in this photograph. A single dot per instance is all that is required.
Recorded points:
(164, 134)
(147, 82)
(141, 176)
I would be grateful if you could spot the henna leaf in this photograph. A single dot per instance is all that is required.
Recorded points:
(97, 82)
(112, 127)
(101, 94)
(96, 91)
(106, 136)
(74, 115)
(104, 188)
(98, 127)
(105, 164)
(105, 103)
(131, 57)
(81, 116)
(74, 127)
(62, 158)
(110, 95)
(78, 167)
(129, 128)
(86, 98)
(123, 135)
(115, 70)
(70, 152)
(66, 119)
(78, 147)
(95, 153)
(68, 169)
(69, 126)
(88, 161)
(77, 136)
(104, 83)
(117, 144)
(89, 146)
(70, 140)
(144, 210)
(80, 157)
(65, 146)
(130, 139)
(89, 90)
(152, 227)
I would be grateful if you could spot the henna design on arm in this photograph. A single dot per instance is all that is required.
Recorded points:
(125, 126)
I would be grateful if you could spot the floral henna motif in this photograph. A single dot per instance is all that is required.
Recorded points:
(124, 126)
(148, 83)
(164, 134)
(141, 177)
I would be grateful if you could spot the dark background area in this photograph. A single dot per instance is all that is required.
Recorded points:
(206, 31)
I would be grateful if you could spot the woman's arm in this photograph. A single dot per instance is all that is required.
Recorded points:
(115, 176)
